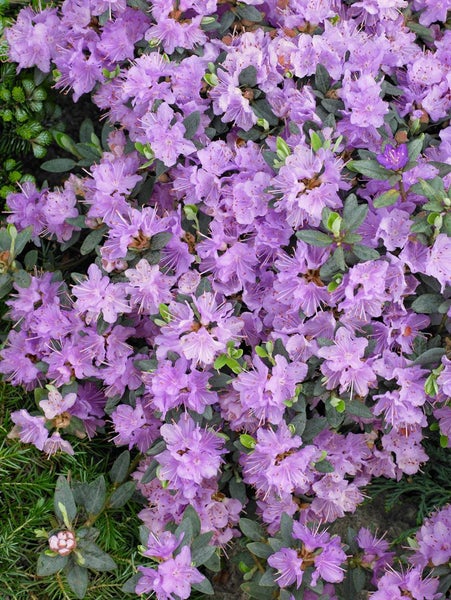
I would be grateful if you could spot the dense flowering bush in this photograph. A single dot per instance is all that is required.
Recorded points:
(260, 300)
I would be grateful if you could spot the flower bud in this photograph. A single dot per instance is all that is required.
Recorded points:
(63, 542)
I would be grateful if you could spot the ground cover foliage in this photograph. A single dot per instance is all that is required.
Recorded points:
(229, 318)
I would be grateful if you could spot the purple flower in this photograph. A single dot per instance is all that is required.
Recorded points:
(345, 365)
(289, 565)
(393, 157)
(55, 403)
(172, 579)
(192, 457)
(30, 430)
(433, 540)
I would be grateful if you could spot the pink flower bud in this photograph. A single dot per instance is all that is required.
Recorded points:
(63, 542)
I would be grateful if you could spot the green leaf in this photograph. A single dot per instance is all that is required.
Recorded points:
(130, 585)
(247, 441)
(268, 579)
(160, 240)
(263, 110)
(49, 565)
(314, 238)
(190, 515)
(58, 165)
(191, 124)
(22, 239)
(22, 278)
(119, 471)
(254, 531)
(415, 146)
(286, 528)
(254, 590)
(78, 579)
(315, 141)
(430, 357)
(324, 466)
(248, 77)
(204, 587)
(322, 79)
(213, 563)
(65, 498)
(122, 494)
(427, 303)
(86, 130)
(95, 558)
(358, 409)
(92, 240)
(259, 549)
(386, 199)
(201, 551)
(248, 12)
(94, 496)
(365, 253)
(422, 31)
(369, 168)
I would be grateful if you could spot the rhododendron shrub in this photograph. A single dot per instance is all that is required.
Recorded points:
(259, 308)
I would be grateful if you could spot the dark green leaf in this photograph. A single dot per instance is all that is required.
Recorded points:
(248, 77)
(119, 470)
(299, 422)
(237, 490)
(95, 558)
(160, 240)
(251, 529)
(422, 31)
(263, 110)
(415, 147)
(89, 152)
(78, 579)
(268, 579)
(95, 495)
(286, 529)
(259, 549)
(358, 579)
(49, 565)
(253, 590)
(430, 357)
(58, 165)
(64, 497)
(191, 515)
(427, 303)
(249, 13)
(322, 79)
(386, 199)
(5, 284)
(213, 563)
(92, 240)
(22, 239)
(86, 130)
(191, 123)
(353, 213)
(314, 238)
(30, 260)
(324, 466)
(122, 494)
(369, 168)
(130, 585)
(22, 278)
(358, 409)
(204, 587)
(365, 253)
(332, 106)
(201, 551)
(147, 364)
(339, 258)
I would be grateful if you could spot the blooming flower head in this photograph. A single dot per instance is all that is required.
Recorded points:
(192, 457)
(393, 157)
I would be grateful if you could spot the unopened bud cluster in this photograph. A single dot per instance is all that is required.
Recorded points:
(63, 542)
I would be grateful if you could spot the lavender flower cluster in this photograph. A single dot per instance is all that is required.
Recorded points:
(265, 305)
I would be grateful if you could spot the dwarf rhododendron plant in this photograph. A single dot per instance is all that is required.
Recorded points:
(258, 307)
